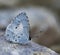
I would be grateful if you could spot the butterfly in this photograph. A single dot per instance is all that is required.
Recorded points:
(18, 30)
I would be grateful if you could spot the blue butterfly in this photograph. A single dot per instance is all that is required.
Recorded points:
(18, 30)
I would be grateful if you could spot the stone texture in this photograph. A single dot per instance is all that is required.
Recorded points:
(7, 48)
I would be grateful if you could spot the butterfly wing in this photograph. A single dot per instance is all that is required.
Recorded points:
(18, 30)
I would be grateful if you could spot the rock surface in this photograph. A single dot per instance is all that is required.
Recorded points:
(7, 48)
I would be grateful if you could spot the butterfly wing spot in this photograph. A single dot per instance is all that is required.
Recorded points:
(26, 16)
(15, 27)
(19, 21)
(27, 20)
(16, 40)
(23, 13)
(18, 36)
(21, 34)
(7, 34)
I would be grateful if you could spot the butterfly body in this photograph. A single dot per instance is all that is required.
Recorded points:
(18, 30)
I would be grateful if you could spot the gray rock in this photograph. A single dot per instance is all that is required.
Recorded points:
(8, 48)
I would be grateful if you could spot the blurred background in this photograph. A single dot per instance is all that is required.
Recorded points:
(44, 17)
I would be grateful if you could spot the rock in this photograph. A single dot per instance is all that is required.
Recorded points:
(56, 47)
(7, 48)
